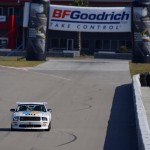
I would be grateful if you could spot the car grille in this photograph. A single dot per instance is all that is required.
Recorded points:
(29, 118)
(29, 126)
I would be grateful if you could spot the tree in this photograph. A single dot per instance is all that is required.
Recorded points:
(83, 4)
(80, 3)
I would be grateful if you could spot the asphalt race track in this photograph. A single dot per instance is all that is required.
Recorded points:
(91, 101)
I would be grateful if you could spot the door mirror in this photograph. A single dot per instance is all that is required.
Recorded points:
(12, 110)
(50, 110)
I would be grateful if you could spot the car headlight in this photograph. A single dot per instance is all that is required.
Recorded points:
(16, 118)
(44, 119)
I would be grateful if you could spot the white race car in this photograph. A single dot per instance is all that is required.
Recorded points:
(31, 115)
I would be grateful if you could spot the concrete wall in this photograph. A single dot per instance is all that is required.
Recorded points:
(142, 126)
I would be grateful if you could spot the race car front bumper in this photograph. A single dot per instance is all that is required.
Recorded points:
(30, 125)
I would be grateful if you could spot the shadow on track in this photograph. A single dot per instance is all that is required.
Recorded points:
(4, 129)
(20, 130)
(121, 130)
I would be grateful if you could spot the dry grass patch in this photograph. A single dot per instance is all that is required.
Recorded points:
(136, 68)
(17, 62)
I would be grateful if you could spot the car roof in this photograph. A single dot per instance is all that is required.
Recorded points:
(39, 103)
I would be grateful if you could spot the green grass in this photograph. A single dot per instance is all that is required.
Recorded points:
(136, 68)
(17, 62)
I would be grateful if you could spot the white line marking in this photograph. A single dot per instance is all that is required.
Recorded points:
(52, 75)
(55, 76)
(28, 69)
(17, 68)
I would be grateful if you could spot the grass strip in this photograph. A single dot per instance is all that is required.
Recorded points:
(136, 68)
(17, 62)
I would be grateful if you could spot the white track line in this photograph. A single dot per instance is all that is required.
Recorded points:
(28, 69)
(17, 68)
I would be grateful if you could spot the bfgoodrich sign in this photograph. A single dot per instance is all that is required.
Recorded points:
(90, 19)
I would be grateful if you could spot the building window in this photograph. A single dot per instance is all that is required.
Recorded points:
(125, 46)
(55, 43)
(98, 44)
(10, 11)
(17, 12)
(85, 44)
(129, 45)
(122, 43)
(75, 44)
(59, 43)
(3, 42)
(106, 44)
(1, 11)
(63, 43)
(114, 44)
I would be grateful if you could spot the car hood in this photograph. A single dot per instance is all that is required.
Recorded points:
(31, 113)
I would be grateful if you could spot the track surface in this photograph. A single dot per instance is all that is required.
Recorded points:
(91, 102)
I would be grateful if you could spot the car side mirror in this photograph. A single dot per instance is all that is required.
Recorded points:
(50, 110)
(12, 110)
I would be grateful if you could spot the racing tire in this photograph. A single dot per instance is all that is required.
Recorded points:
(12, 129)
(49, 127)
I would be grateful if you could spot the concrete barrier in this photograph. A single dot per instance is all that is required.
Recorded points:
(143, 131)
(113, 55)
(75, 53)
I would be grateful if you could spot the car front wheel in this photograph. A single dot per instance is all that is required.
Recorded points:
(49, 127)
(12, 129)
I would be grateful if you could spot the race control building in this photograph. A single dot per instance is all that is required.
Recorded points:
(14, 25)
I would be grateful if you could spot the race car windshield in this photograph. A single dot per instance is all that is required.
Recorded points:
(29, 107)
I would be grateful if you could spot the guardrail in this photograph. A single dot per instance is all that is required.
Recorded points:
(15, 51)
(143, 131)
